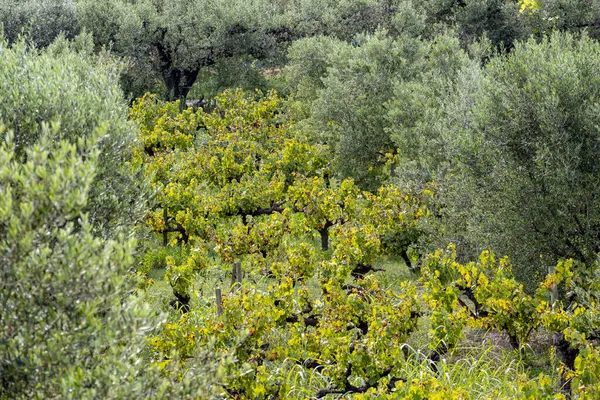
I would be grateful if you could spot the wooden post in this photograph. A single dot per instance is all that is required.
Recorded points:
(554, 290)
(238, 272)
(219, 300)
(233, 276)
(236, 276)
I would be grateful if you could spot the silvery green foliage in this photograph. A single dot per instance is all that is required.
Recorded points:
(311, 55)
(430, 123)
(351, 109)
(58, 85)
(512, 149)
(61, 287)
(529, 156)
(159, 38)
(348, 110)
(379, 94)
(426, 118)
(340, 19)
(308, 60)
(64, 308)
(423, 111)
(41, 21)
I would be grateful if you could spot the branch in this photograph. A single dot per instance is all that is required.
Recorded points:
(311, 364)
(275, 208)
(362, 269)
(349, 388)
(166, 61)
(282, 34)
(311, 320)
(595, 24)
(177, 228)
(471, 296)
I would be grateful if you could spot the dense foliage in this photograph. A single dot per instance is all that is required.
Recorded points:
(413, 213)
(539, 99)
(257, 209)
(85, 102)
(177, 40)
(40, 21)
(266, 194)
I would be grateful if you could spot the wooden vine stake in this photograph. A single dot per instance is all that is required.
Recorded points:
(236, 276)
(219, 300)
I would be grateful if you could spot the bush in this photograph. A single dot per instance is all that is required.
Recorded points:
(68, 327)
(66, 84)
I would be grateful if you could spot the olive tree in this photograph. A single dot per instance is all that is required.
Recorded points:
(511, 148)
(429, 119)
(529, 155)
(377, 102)
(424, 112)
(175, 40)
(41, 21)
(351, 109)
(66, 323)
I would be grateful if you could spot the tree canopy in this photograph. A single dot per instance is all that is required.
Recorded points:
(532, 155)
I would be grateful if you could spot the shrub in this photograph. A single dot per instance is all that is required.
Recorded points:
(65, 84)
(68, 327)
